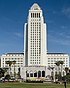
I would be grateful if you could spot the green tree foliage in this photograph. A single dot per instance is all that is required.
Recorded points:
(58, 63)
(2, 72)
(14, 62)
(7, 77)
(10, 63)
(66, 70)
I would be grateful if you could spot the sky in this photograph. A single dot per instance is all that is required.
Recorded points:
(13, 16)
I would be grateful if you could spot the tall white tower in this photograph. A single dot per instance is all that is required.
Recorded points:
(35, 38)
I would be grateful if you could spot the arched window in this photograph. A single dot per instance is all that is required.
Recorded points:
(31, 74)
(39, 15)
(43, 73)
(39, 73)
(27, 73)
(35, 74)
(35, 15)
(31, 15)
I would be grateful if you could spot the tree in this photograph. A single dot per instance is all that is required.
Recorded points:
(58, 64)
(9, 63)
(61, 62)
(14, 62)
(59, 72)
(7, 77)
(66, 70)
(19, 73)
(52, 73)
(2, 72)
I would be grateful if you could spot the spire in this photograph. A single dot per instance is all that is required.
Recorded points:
(35, 6)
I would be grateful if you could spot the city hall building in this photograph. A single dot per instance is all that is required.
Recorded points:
(35, 61)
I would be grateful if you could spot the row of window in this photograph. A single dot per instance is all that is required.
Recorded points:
(14, 54)
(36, 74)
(35, 57)
(35, 23)
(34, 62)
(18, 65)
(35, 51)
(37, 19)
(35, 15)
(35, 37)
(36, 46)
(36, 34)
(52, 65)
(34, 40)
(35, 54)
(57, 58)
(35, 26)
(13, 58)
(35, 31)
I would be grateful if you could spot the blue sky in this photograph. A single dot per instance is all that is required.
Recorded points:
(13, 15)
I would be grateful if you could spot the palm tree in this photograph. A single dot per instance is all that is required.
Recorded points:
(14, 62)
(2, 72)
(58, 64)
(66, 70)
(59, 74)
(61, 62)
(52, 73)
(9, 63)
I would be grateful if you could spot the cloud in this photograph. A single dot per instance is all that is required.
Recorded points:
(18, 34)
(63, 27)
(66, 11)
(62, 39)
(55, 12)
(50, 21)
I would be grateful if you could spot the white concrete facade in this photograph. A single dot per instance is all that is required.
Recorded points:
(54, 57)
(18, 57)
(35, 38)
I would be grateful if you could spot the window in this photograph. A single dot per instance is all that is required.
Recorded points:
(27, 74)
(39, 15)
(35, 74)
(48, 60)
(31, 15)
(39, 62)
(35, 15)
